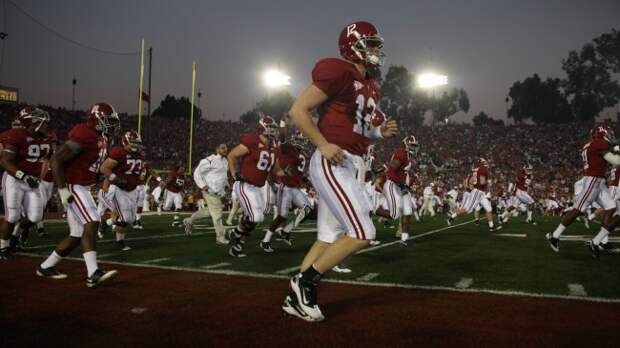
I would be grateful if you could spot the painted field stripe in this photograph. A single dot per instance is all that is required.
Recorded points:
(161, 259)
(217, 265)
(413, 237)
(516, 235)
(106, 255)
(368, 277)
(577, 290)
(288, 270)
(352, 282)
(464, 283)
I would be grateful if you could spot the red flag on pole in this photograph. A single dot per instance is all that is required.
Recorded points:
(146, 97)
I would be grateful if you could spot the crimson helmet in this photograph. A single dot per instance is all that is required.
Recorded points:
(105, 118)
(602, 131)
(483, 162)
(378, 117)
(15, 123)
(132, 141)
(267, 127)
(411, 144)
(32, 117)
(360, 42)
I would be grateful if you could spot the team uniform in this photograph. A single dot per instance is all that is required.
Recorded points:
(123, 200)
(478, 195)
(520, 193)
(345, 119)
(592, 187)
(172, 192)
(289, 186)
(30, 152)
(395, 191)
(255, 167)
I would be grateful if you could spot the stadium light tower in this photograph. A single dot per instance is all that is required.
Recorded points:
(274, 78)
(430, 80)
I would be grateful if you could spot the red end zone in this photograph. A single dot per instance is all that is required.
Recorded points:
(156, 307)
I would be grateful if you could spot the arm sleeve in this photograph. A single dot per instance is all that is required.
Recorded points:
(612, 159)
(78, 136)
(249, 140)
(328, 77)
(117, 154)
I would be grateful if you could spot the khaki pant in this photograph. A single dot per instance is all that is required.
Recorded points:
(213, 208)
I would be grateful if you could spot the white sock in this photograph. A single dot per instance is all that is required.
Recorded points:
(40, 225)
(5, 243)
(176, 217)
(404, 236)
(453, 215)
(591, 216)
(599, 237)
(109, 222)
(558, 231)
(491, 223)
(268, 235)
(120, 236)
(138, 216)
(289, 227)
(51, 260)
(417, 217)
(90, 257)
(529, 215)
(605, 239)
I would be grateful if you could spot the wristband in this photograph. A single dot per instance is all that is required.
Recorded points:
(282, 124)
(19, 175)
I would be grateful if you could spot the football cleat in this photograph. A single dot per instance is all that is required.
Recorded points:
(291, 306)
(374, 242)
(594, 249)
(402, 243)
(222, 241)
(99, 276)
(609, 248)
(50, 272)
(306, 295)
(554, 243)
(236, 252)
(266, 247)
(137, 225)
(5, 253)
(42, 233)
(122, 245)
(341, 268)
(449, 220)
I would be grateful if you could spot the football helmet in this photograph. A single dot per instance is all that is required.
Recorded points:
(360, 42)
(298, 140)
(411, 144)
(267, 127)
(33, 119)
(483, 162)
(528, 168)
(105, 118)
(15, 123)
(603, 131)
(378, 117)
(132, 141)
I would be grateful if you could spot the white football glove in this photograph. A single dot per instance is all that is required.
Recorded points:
(66, 197)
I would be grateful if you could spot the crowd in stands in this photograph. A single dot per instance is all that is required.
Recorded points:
(447, 152)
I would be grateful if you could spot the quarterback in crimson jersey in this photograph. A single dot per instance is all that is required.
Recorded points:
(346, 98)
(24, 149)
(596, 156)
(75, 166)
(256, 153)
(122, 170)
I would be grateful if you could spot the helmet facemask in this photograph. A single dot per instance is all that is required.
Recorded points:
(368, 49)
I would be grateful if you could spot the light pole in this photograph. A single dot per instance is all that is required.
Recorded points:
(429, 81)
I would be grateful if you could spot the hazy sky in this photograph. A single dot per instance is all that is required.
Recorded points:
(483, 46)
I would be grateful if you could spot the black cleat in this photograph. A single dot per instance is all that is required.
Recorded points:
(122, 245)
(5, 253)
(609, 248)
(594, 249)
(291, 306)
(266, 247)
(99, 277)
(42, 233)
(554, 243)
(50, 272)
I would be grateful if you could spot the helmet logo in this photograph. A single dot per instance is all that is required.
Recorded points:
(351, 30)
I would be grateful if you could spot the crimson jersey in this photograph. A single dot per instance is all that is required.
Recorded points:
(30, 151)
(129, 166)
(83, 168)
(523, 181)
(256, 165)
(145, 171)
(289, 156)
(477, 174)
(344, 119)
(614, 176)
(53, 141)
(399, 175)
(176, 182)
(592, 154)
(468, 182)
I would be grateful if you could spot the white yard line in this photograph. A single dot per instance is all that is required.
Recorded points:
(287, 270)
(217, 265)
(577, 290)
(516, 235)
(380, 246)
(353, 282)
(464, 283)
(368, 277)
(161, 259)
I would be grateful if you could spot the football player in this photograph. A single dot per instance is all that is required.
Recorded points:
(346, 99)
(122, 170)
(141, 195)
(479, 180)
(173, 186)
(596, 155)
(257, 156)
(23, 152)
(75, 166)
(290, 157)
(521, 195)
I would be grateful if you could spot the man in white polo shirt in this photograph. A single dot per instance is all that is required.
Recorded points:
(211, 176)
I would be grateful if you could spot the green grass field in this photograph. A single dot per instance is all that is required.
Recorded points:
(515, 259)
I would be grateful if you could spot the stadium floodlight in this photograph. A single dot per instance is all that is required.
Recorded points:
(431, 80)
(275, 78)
